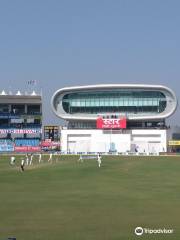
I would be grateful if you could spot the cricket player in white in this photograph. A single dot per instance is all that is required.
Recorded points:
(40, 157)
(12, 161)
(31, 159)
(27, 159)
(50, 157)
(99, 160)
(22, 164)
(80, 158)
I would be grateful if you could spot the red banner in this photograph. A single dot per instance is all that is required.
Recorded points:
(45, 144)
(118, 123)
(49, 143)
(27, 149)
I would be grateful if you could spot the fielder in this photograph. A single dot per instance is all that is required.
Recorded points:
(27, 159)
(50, 157)
(40, 157)
(99, 160)
(12, 161)
(22, 164)
(80, 159)
(31, 160)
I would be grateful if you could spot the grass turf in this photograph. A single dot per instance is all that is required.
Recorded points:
(74, 201)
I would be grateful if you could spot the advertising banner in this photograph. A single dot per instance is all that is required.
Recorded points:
(21, 131)
(119, 123)
(27, 149)
(174, 143)
(46, 144)
(6, 148)
(49, 143)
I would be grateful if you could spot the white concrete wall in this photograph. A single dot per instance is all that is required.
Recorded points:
(149, 141)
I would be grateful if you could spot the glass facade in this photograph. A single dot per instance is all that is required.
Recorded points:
(115, 101)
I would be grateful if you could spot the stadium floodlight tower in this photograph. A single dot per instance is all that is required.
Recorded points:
(114, 117)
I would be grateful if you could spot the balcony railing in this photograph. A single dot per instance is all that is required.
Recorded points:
(20, 126)
(18, 114)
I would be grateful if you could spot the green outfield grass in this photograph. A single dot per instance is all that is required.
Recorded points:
(79, 201)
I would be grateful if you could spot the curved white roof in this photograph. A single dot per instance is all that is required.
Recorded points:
(56, 101)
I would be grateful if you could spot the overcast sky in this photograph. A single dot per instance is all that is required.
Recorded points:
(67, 43)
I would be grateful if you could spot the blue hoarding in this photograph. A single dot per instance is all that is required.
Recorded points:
(6, 148)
